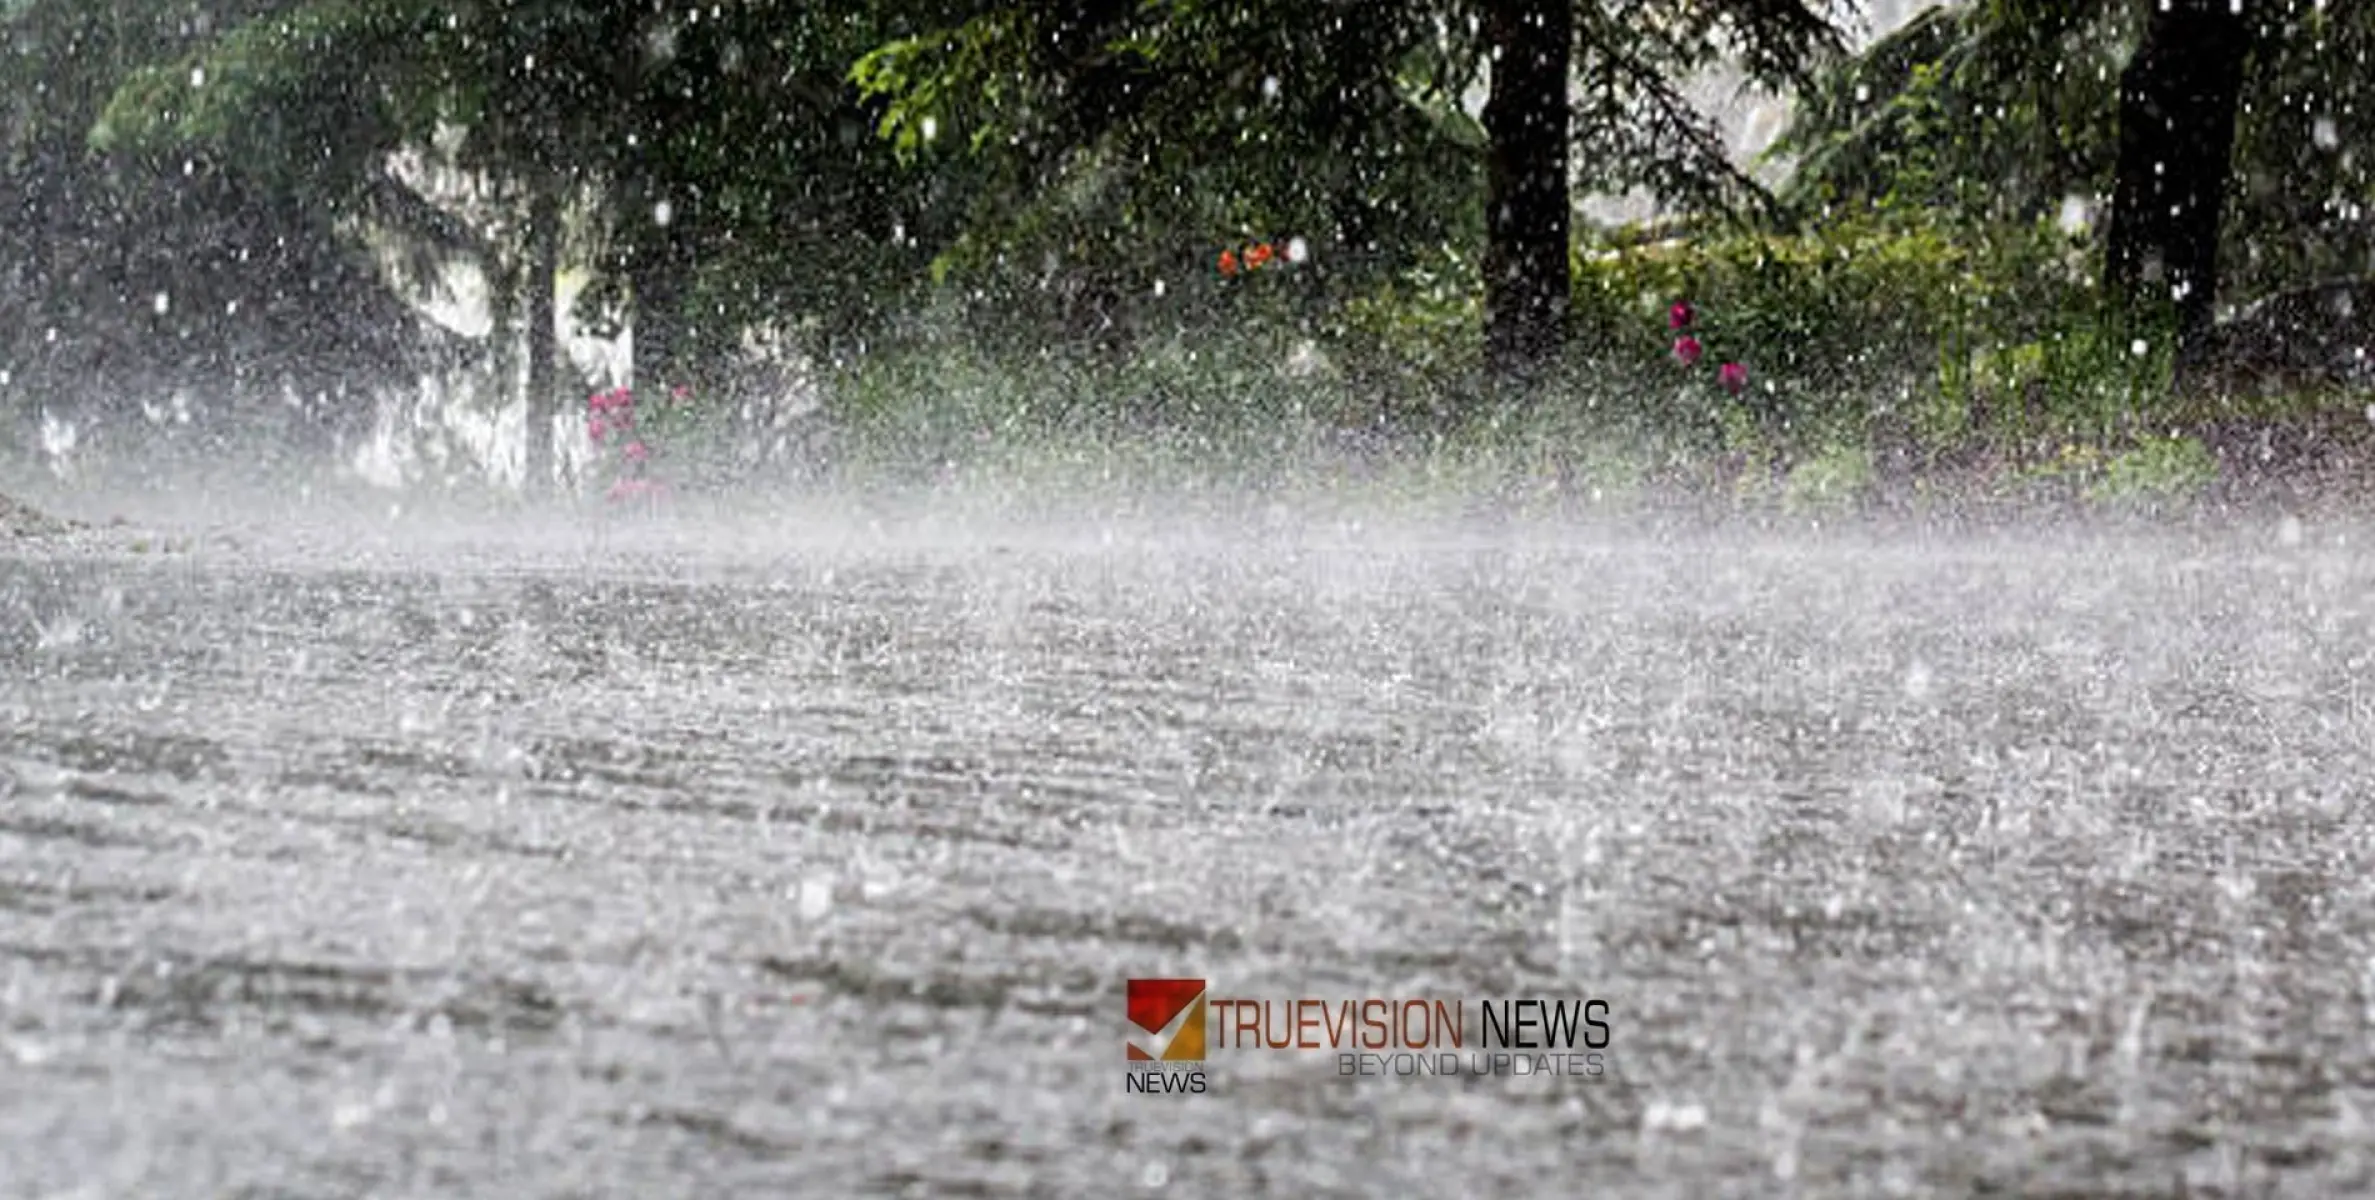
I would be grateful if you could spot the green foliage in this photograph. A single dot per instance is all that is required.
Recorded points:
(1119, 148)
(1995, 110)
(1836, 476)
(302, 98)
(2147, 470)
(2157, 468)
(2007, 110)
(1858, 308)
(2086, 377)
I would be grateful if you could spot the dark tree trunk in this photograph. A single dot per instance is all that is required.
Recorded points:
(1527, 209)
(655, 274)
(544, 253)
(2177, 101)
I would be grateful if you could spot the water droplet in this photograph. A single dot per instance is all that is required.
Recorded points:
(816, 898)
(1676, 1118)
(197, 77)
(662, 213)
(163, 304)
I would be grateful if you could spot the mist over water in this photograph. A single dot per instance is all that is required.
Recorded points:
(804, 840)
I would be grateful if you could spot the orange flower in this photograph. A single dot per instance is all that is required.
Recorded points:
(1228, 262)
(1260, 255)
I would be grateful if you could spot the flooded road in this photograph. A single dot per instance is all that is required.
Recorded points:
(653, 864)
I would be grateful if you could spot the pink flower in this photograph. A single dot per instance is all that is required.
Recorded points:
(597, 427)
(1687, 350)
(1733, 376)
(1679, 317)
(681, 393)
(637, 451)
(616, 399)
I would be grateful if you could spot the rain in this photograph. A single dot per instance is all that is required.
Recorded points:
(1665, 598)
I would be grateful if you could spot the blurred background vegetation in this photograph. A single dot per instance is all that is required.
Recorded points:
(1986, 241)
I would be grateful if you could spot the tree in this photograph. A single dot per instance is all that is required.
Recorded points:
(1103, 148)
(2234, 148)
(2178, 97)
(131, 275)
(1110, 127)
(715, 163)
(310, 99)
(1527, 208)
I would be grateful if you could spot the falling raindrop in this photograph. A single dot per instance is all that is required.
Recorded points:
(2323, 132)
(662, 213)
(1918, 682)
(163, 304)
(815, 898)
(197, 77)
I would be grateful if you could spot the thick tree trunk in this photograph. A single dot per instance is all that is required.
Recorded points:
(656, 277)
(1527, 209)
(2177, 101)
(544, 277)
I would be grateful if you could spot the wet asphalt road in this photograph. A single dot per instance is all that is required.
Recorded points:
(651, 862)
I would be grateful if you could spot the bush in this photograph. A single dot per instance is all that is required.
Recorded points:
(2156, 468)
(1834, 322)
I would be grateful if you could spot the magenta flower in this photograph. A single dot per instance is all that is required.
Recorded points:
(637, 451)
(1733, 376)
(597, 428)
(1687, 350)
(1680, 316)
